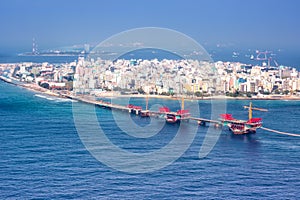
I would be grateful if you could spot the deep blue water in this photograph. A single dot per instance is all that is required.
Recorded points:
(42, 156)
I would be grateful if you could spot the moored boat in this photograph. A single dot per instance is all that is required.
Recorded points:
(243, 126)
(172, 118)
(145, 113)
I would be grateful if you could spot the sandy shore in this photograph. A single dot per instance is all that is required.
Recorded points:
(221, 97)
(36, 88)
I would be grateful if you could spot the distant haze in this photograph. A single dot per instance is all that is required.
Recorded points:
(255, 24)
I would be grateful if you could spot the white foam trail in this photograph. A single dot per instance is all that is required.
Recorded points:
(55, 98)
(43, 97)
(65, 100)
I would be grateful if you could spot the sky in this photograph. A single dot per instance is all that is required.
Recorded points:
(55, 23)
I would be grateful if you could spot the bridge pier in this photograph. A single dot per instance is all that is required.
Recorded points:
(217, 125)
(201, 123)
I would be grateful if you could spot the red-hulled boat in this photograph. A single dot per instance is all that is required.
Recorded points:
(176, 117)
(242, 126)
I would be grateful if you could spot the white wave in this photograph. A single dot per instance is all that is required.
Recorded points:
(56, 99)
(65, 100)
(44, 97)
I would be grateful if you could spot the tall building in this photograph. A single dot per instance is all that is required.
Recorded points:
(34, 47)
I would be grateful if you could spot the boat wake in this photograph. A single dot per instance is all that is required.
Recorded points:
(56, 99)
(44, 97)
(65, 100)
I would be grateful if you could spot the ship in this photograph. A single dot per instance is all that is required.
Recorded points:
(238, 126)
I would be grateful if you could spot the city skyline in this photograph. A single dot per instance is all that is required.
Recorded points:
(260, 24)
(149, 99)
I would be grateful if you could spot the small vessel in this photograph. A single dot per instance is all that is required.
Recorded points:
(145, 113)
(172, 118)
(176, 117)
(235, 54)
(180, 115)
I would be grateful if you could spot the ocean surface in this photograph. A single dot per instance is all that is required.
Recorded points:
(43, 157)
(285, 57)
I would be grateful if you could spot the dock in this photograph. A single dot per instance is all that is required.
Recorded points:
(138, 110)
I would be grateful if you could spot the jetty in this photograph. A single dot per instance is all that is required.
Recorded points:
(165, 113)
(162, 113)
(138, 110)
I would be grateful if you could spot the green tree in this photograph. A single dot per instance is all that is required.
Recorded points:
(198, 94)
(165, 94)
(286, 92)
(276, 91)
(141, 90)
(35, 71)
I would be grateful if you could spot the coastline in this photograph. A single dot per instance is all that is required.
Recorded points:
(29, 86)
(36, 88)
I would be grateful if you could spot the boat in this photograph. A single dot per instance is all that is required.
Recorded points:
(176, 117)
(242, 126)
(235, 54)
(172, 118)
(144, 113)
(237, 128)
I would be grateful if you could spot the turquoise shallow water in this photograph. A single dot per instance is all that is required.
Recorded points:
(43, 157)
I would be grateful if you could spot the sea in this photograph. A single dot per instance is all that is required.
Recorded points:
(44, 155)
(278, 57)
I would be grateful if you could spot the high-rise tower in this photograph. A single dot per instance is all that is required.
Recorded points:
(34, 47)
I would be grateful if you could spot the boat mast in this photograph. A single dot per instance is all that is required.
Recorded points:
(250, 111)
(147, 100)
(182, 98)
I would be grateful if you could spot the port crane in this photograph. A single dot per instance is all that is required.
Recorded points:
(263, 56)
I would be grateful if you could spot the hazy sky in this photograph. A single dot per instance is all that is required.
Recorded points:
(54, 23)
